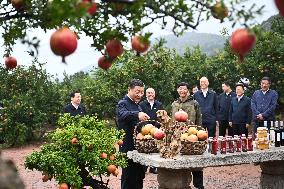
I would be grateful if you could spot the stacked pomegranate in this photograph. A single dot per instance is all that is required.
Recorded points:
(150, 131)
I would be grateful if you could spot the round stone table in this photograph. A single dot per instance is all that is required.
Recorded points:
(176, 173)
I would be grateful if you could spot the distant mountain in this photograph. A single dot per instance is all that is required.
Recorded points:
(267, 24)
(209, 43)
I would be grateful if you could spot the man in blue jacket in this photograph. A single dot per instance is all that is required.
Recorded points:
(240, 112)
(129, 113)
(207, 100)
(224, 102)
(263, 104)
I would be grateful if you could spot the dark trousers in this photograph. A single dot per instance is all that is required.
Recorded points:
(197, 179)
(211, 128)
(223, 125)
(239, 129)
(132, 176)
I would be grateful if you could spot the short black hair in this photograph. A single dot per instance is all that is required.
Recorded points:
(193, 86)
(241, 85)
(183, 84)
(266, 78)
(227, 83)
(72, 94)
(135, 82)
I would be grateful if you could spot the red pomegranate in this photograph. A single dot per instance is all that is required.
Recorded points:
(181, 116)
(63, 42)
(280, 6)
(18, 4)
(139, 44)
(91, 7)
(242, 41)
(104, 63)
(10, 63)
(114, 48)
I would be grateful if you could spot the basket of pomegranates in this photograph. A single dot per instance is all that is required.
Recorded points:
(146, 134)
(193, 140)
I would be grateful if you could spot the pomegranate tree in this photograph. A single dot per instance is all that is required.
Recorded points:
(242, 41)
(10, 63)
(63, 42)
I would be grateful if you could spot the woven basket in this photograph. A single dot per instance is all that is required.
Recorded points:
(193, 148)
(148, 145)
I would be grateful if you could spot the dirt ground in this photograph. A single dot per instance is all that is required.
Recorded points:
(240, 176)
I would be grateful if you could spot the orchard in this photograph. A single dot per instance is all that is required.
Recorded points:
(79, 152)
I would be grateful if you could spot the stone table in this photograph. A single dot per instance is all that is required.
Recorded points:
(176, 173)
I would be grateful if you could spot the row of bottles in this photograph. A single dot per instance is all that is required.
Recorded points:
(276, 133)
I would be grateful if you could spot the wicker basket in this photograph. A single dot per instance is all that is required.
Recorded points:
(193, 148)
(148, 145)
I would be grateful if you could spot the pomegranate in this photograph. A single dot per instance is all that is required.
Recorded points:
(111, 168)
(104, 63)
(45, 178)
(280, 6)
(103, 155)
(159, 134)
(219, 11)
(114, 48)
(181, 116)
(140, 44)
(63, 186)
(10, 63)
(74, 141)
(88, 5)
(242, 41)
(112, 157)
(18, 4)
(116, 172)
(63, 42)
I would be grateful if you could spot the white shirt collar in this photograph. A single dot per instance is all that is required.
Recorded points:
(204, 91)
(75, 106)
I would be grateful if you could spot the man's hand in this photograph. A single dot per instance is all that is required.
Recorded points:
(143, 116)
(259, 116)
(230, 124)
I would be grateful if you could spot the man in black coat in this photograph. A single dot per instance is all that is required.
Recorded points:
(224, 102)
(75, 107)
(207, 100)
(240, 112)
(150, 106)
(129, 113)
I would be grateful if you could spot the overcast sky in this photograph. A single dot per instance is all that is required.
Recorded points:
(85, 55)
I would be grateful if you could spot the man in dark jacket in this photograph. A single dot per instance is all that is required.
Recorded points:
(207, 100)
(263, 104)
(75, 107)
(129, 113)
(224, 102)
(150, 106)
(240, 112)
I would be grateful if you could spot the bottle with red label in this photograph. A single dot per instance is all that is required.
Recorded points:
(244, 143)
(231, 145)
(214, 146)
(223, 145)
(250, 143)
(238, 144)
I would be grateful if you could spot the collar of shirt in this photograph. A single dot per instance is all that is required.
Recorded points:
(239, 97)
(75, 106)
(131, 99)
(264, 92)
(204, 92)
(151, 103)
